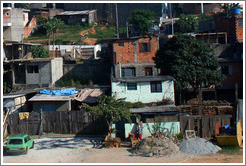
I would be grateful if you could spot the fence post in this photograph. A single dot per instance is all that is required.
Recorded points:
(41, 122)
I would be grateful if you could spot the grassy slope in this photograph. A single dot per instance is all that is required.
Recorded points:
(70, 34)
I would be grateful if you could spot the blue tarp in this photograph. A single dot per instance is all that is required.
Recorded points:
(64, 92)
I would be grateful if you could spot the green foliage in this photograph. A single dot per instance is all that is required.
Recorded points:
(142, 20)
(138, 105)
(22, 5)
(68, 81)
(231, 150)
(111, 109)
(39, 52)
(186, 23)
(7, 87)
(204, 17)
(180, 136)
(189, 61)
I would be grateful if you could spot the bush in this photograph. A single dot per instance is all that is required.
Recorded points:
(138, 105)
(180, 136)
(39, 52)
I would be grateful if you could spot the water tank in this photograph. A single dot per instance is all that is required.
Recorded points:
(235, 11)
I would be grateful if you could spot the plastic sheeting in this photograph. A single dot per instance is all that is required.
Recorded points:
(63, 92)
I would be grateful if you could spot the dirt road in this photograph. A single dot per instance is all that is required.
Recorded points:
(80, 150)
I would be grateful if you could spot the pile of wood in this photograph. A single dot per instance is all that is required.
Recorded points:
(228, 110)
(210, 107)
(209, 110)
(188, 109)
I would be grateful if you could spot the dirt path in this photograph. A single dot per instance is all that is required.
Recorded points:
(92, 30)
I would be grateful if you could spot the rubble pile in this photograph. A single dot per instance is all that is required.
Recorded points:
(198, 146)
(147, 146)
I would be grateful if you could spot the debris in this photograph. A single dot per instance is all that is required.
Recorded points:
(154, 146)
(198, 146)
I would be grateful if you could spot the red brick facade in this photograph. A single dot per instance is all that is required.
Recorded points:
(236, 75)
(6, 16)
(130, 51)
(231, 26)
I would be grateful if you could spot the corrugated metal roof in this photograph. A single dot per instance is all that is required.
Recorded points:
(45, 97)
(90, 95)
(143, 79)
(84, 95)
(156, 109)
(76, 12)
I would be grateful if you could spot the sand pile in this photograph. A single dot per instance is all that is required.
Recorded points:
(198, 146)
(150, 146)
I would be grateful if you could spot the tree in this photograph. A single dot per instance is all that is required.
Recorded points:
(186, 23)
(50, 25)
(189, 61)
(110, 109)
(142, 20)
(39, 52)
(22, 5)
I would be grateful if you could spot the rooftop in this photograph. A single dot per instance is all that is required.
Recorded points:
(76, 12)
(156, 109)
(142, 79)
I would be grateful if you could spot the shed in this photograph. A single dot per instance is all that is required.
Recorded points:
(73, 17)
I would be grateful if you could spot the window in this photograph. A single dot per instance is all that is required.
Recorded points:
(148, 71)
(144, 47)
(121, 44)
(26, 140)
(156, 86)
(128, 72)
(131, 86)
(226, 70)
(32, 69)
(240, 23)
(15, 141)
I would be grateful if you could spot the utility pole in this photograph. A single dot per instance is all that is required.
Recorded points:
(117, 23)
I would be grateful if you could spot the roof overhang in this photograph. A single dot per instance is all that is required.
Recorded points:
(142, 79)
(167, 109)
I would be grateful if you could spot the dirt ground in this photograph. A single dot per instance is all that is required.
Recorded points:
(80, 150)
(122, 155)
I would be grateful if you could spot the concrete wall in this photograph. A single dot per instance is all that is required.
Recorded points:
(17, 28)
(98, 72)
(143, 92)
(139, 68)
(51, 106)
(42, 77)
(173, 128)
(56, 69)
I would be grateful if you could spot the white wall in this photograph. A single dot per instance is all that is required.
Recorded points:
(143, 92)
(56, 69)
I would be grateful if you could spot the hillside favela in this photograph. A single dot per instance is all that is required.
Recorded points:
(122, 82)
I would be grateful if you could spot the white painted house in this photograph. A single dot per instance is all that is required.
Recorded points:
(143, 89)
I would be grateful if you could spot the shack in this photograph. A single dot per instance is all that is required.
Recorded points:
(73, 17)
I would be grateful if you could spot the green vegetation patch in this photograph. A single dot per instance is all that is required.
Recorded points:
(231, 150)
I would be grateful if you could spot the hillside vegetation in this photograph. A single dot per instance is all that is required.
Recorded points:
(76, 34)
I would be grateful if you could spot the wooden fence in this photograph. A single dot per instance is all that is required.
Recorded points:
(204, 125)
(74, 122)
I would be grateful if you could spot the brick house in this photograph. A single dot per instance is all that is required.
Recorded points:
(16, 24)
(232, 26)
(134, 75)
